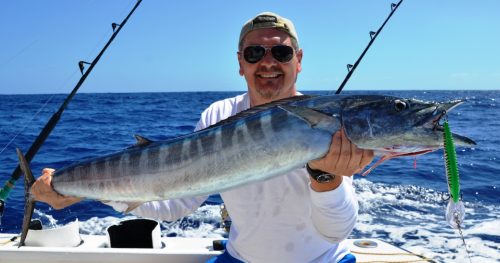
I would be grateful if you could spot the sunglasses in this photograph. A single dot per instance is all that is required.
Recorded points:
(281, 53)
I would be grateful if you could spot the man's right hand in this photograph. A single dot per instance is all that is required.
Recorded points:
(42, 191)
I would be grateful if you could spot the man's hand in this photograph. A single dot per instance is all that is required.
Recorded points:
(42, 191)
(343, 159)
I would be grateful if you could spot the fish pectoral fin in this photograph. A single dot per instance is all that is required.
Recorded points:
(132, 206)
(381, 160)
(315, 119)
(142, 141)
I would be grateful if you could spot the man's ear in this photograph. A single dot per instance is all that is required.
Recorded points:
(299, 60)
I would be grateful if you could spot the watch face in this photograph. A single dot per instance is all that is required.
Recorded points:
(319, 176)
(324, 178)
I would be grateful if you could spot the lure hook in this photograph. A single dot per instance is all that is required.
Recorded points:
(445, 197)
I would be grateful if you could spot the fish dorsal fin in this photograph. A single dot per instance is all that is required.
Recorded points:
(142, 141)
(259, 108)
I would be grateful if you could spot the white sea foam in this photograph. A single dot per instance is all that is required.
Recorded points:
(98, 225)
(47, 219)
(413, 218)
(203, 223)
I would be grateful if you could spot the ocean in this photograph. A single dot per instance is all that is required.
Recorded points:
(400, 202)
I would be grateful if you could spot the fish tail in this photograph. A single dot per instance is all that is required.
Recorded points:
(29, 204)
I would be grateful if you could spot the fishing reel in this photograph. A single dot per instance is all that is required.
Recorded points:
(225, 218)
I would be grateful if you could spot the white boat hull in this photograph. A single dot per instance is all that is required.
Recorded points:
(95, 248)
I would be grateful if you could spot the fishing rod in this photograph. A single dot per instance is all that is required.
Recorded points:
(373, 36)
(455, 210)
(49, 126)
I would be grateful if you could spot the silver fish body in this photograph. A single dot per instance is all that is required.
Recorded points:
(213, 160)
(256, 145)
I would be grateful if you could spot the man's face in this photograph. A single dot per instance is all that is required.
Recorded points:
(269, 79)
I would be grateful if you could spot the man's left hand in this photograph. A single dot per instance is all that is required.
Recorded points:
(343, 159)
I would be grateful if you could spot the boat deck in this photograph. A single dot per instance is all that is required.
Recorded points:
(95, 248)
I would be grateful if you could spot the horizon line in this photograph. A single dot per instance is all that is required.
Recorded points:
(243, 91)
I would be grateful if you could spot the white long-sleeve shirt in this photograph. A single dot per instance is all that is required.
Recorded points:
(278, 220)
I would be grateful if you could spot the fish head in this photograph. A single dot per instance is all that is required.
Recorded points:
(397, 126)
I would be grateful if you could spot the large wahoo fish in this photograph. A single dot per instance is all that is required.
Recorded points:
(256, 144)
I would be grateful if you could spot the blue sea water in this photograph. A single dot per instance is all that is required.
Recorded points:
(399, 203)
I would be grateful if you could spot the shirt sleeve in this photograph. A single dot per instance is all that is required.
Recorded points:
(334, 212)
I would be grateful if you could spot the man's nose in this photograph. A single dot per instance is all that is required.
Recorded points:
(268, 59)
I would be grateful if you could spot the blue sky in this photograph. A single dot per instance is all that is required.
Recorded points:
(191, 45)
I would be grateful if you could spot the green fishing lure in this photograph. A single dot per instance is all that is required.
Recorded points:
(455, 211)
(450, 158)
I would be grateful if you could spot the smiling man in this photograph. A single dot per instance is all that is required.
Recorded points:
(302, 216)
(268, 78)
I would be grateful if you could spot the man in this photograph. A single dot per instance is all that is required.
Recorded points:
(302, 216)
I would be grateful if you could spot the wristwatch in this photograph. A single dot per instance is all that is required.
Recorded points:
(320, 176)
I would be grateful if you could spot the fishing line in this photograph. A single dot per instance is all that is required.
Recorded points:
(462, 236)
(49, 126)
(55, 91)
(64, 84)
(407, 254)
(9, 60)
(37, 113)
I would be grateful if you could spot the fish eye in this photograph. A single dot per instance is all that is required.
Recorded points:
(400, 105)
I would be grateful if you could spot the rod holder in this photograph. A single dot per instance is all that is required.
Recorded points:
(81, 65)
(114, 25)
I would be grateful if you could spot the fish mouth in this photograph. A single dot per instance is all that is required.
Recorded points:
(440, 115)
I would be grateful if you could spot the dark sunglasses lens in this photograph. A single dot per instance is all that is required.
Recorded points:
(282, 53)
(253, 54)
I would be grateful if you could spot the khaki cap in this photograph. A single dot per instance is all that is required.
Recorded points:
(269, 20)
